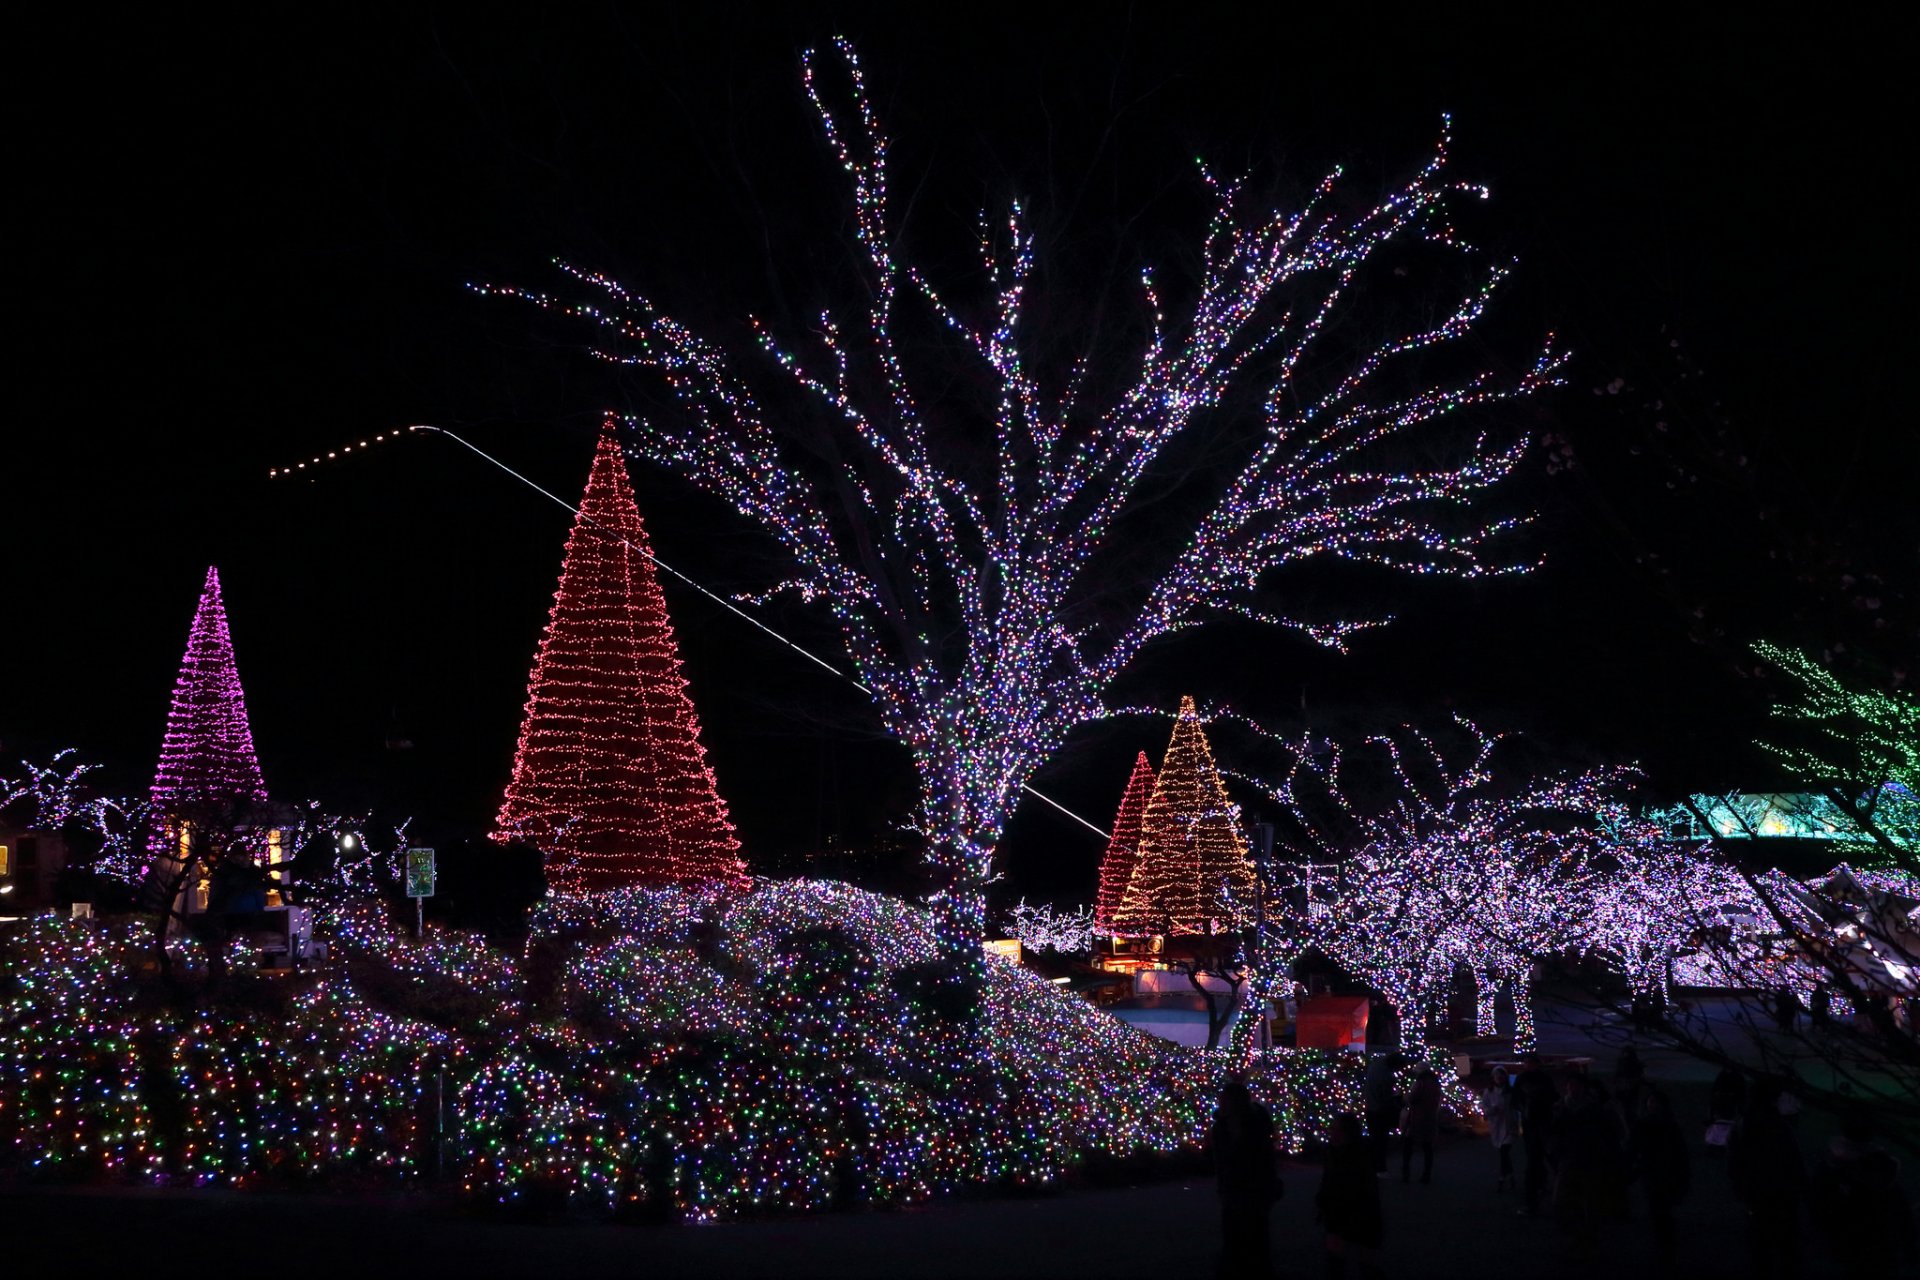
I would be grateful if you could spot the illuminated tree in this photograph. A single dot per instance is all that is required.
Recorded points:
(1123, 846)
(610, 781)
(56, 797)
(1680, 896)
(1861, 747)
(207, 753)
(963, 564)
(1041, 928)
(1658, 899)
(53, 797)
(208, 778)
(1443, 868)
(1192, 873)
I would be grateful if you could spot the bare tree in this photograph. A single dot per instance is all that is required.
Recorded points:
(966, 555)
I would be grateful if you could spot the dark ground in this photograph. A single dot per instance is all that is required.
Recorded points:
(1458, 1226)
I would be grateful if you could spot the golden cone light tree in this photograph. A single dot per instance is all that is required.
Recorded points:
(1123, 846)
(610, 781)
(1193, 874)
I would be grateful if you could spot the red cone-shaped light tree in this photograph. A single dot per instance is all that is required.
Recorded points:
(610, 781)
(1193, 874)
(1123, 847)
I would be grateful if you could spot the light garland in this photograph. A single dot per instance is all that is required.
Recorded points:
(1192, 874)
(900, 542)
(1123, 847)
(753, 1051)
(1041, 928)
(610, 781)
(207, 756)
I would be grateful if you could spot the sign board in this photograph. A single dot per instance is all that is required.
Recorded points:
(1332, 1022)
(419, 873)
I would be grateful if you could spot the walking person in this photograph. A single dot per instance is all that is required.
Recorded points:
(1822, 1005)
(1383, 1106)
(1724, 1106)
(1857, 1195)
(1589, 1161)
(1348, 1203)
(1242, 1143)
(1499, 1106)
(1661, 1164)
(1763, 1160)
(1786, 1009)
(1420, 1125)
(1535, 1094)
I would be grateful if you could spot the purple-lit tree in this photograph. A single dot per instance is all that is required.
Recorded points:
(964, 564)
(1443, 867)
(208, 798)
(54, 797)
(207, 753)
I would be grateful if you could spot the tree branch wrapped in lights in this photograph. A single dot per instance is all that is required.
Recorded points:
(963, 585)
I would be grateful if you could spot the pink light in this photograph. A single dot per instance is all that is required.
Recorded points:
(207, 754)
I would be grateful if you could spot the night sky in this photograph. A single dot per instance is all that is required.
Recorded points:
(242, 244)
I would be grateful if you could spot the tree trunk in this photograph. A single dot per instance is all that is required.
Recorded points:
(1523, 1038)
(1486, 991)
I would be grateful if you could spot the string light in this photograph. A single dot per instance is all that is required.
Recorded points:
(1123, 848)
(610, 780)
(703, 1053)
(1191, 874)
(899, 544)
(331, 455)
(1041, 928)
(207, 756)
(1449, 870)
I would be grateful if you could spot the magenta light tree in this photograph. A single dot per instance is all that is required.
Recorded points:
(207, 754)
(963, 563)
(206, 759)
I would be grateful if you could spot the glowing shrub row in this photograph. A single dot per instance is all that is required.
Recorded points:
(711, 1054)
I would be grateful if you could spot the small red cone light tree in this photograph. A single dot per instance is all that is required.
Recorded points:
(610, 781)
(1193, 875)
(1123, 847)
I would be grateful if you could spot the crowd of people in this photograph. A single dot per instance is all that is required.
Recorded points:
(1589, 1150)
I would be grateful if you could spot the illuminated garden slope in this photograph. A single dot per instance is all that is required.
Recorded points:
(687, 1053)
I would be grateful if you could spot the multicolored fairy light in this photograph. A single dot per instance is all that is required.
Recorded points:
(1123, 847)
(1192, 874)
(702, 1053)
(963, 592)
(1445, 869)
(610, 781)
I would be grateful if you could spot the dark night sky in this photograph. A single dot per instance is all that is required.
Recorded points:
(239, 245)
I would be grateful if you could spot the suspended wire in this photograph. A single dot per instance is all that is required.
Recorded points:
(657, 562)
